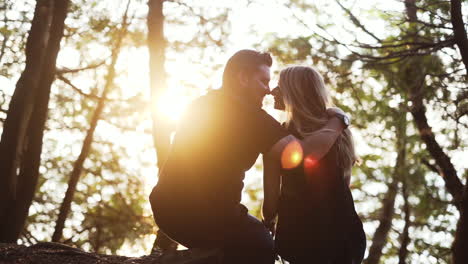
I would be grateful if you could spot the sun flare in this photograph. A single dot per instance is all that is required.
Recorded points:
(292, 155)
(171, 106)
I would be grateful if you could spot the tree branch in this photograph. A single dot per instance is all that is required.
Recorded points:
(67, 81)
(459, 30)
(447, 170)
(60, 71)
(357, 22)
(418, 51)
(431, 167)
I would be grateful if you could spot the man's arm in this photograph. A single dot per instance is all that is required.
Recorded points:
(271, 190)
(290, 151)
(319, 143)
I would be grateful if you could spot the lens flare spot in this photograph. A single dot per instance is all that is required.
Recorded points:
(309, 164)
(292, 155)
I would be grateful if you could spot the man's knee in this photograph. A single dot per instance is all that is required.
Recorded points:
(251, 242)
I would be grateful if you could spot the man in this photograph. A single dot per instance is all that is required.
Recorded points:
(197, 199)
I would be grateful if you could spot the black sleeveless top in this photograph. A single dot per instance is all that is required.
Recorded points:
(317, 220)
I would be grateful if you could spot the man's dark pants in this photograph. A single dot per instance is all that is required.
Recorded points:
(243, 240)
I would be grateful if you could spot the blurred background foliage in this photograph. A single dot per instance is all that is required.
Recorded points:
(396, 66)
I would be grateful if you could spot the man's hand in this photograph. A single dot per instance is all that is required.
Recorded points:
(338, 113)
(333, 111)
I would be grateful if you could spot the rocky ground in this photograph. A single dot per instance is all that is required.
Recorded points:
(55, 253)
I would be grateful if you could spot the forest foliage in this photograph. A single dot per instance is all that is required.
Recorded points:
(99, 100)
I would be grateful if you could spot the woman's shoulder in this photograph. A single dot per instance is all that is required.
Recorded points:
(292, 129)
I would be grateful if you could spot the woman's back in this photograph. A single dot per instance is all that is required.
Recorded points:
(317, 219)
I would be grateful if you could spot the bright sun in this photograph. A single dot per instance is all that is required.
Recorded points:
(171, 106)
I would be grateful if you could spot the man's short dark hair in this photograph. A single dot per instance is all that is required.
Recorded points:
(244, 60)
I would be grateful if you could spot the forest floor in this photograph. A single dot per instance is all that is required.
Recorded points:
(55, 253)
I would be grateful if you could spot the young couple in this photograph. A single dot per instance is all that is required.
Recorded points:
(307, 166)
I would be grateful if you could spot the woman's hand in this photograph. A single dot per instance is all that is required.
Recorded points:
(270, 225)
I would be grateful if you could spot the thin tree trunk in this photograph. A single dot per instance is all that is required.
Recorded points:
(385, 223)
(29, 170)
(446, 168)
(97, 240)
(20, 108)
(411, 10)
(405, 239)
(86, 147)
(161, 128)
(459, 31)
(460, 245)
(388, 208)
(157, 47)
(460, 254)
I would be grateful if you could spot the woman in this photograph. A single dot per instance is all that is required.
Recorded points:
(317, 222)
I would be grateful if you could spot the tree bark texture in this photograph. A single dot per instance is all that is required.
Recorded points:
(404, 238)
(21, 106)
(460, 245)
(446, 169)
(86, 147)
(17, 210)
(459, 30)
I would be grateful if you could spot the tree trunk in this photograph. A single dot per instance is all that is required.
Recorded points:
(161, 127)
(86, 147)
(460, 245)
(405, 239)
(459, 31)
(29, 169)
(445, 166)
(386, 216)
(446, 169)
(385, 223)
(157, 46)
(97, 240)
(411, 10)
(20, 108)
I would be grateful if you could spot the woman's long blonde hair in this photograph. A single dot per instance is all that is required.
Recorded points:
(306, 99)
